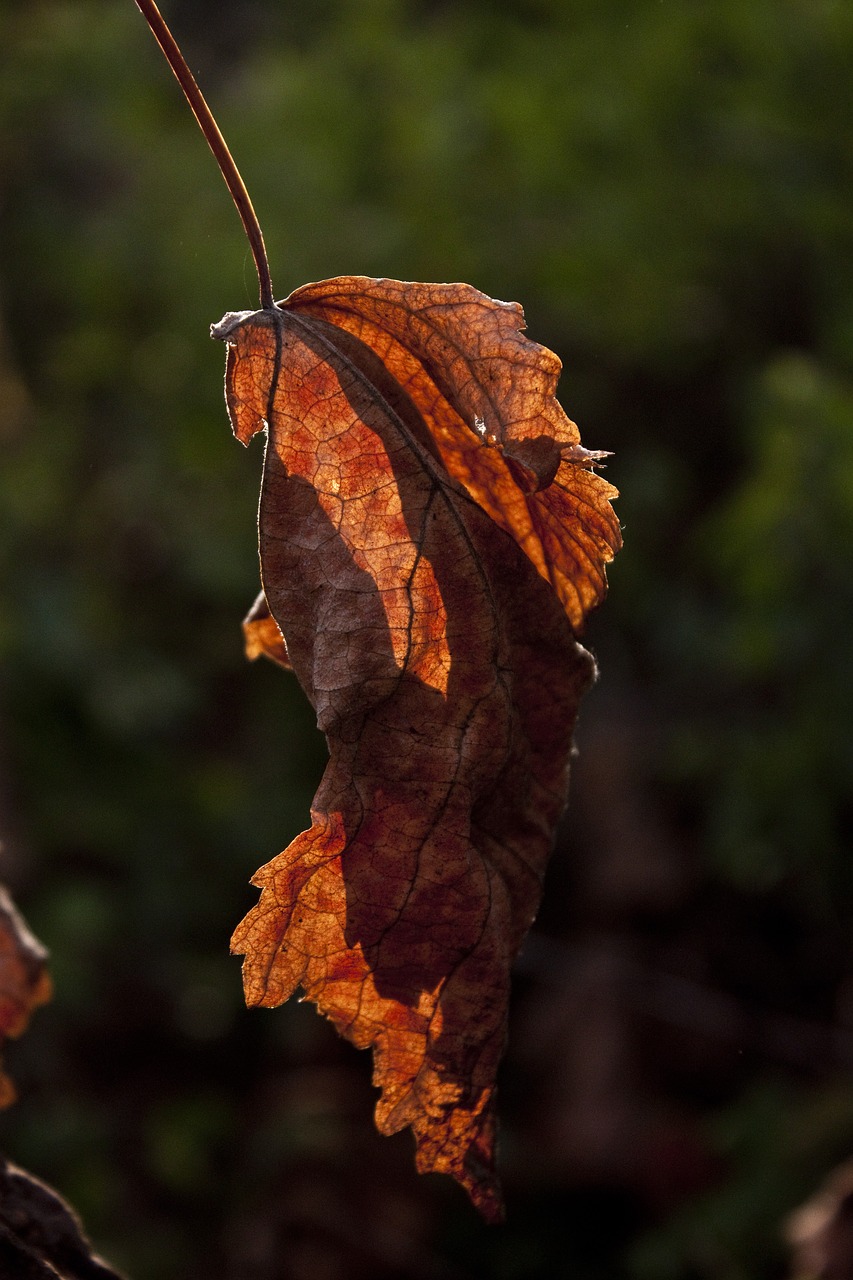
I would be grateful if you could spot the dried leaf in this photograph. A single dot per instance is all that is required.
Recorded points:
(40, 1235)
(261, 635)
(24, 980)
(426, 578)
(820, 1231)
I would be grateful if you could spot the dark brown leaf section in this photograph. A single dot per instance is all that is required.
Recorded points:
(40, 1236)
(444, 671)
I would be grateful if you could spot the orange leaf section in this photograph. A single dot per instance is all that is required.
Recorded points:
(261, 635)
(410, 566)
(24, 980)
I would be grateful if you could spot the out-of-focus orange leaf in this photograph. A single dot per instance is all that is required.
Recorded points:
(24, 980)
(820, 1232)
(262, 636)
(432, 536)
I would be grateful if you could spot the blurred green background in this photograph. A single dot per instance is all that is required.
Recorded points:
(665, 185)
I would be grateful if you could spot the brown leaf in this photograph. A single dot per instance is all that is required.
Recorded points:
(24, 980)
(427, 591)
(40, 1235)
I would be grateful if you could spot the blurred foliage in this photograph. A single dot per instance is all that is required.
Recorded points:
(666, 187)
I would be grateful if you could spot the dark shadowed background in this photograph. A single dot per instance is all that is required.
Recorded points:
(666, 187)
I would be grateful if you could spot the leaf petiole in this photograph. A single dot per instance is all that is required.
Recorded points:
(216, 142)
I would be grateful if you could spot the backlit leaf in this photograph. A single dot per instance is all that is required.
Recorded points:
(432, 536)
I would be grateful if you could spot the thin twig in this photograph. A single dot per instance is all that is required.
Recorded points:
(216, 142)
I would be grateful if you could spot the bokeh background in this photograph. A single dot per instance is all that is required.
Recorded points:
(666, 186)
